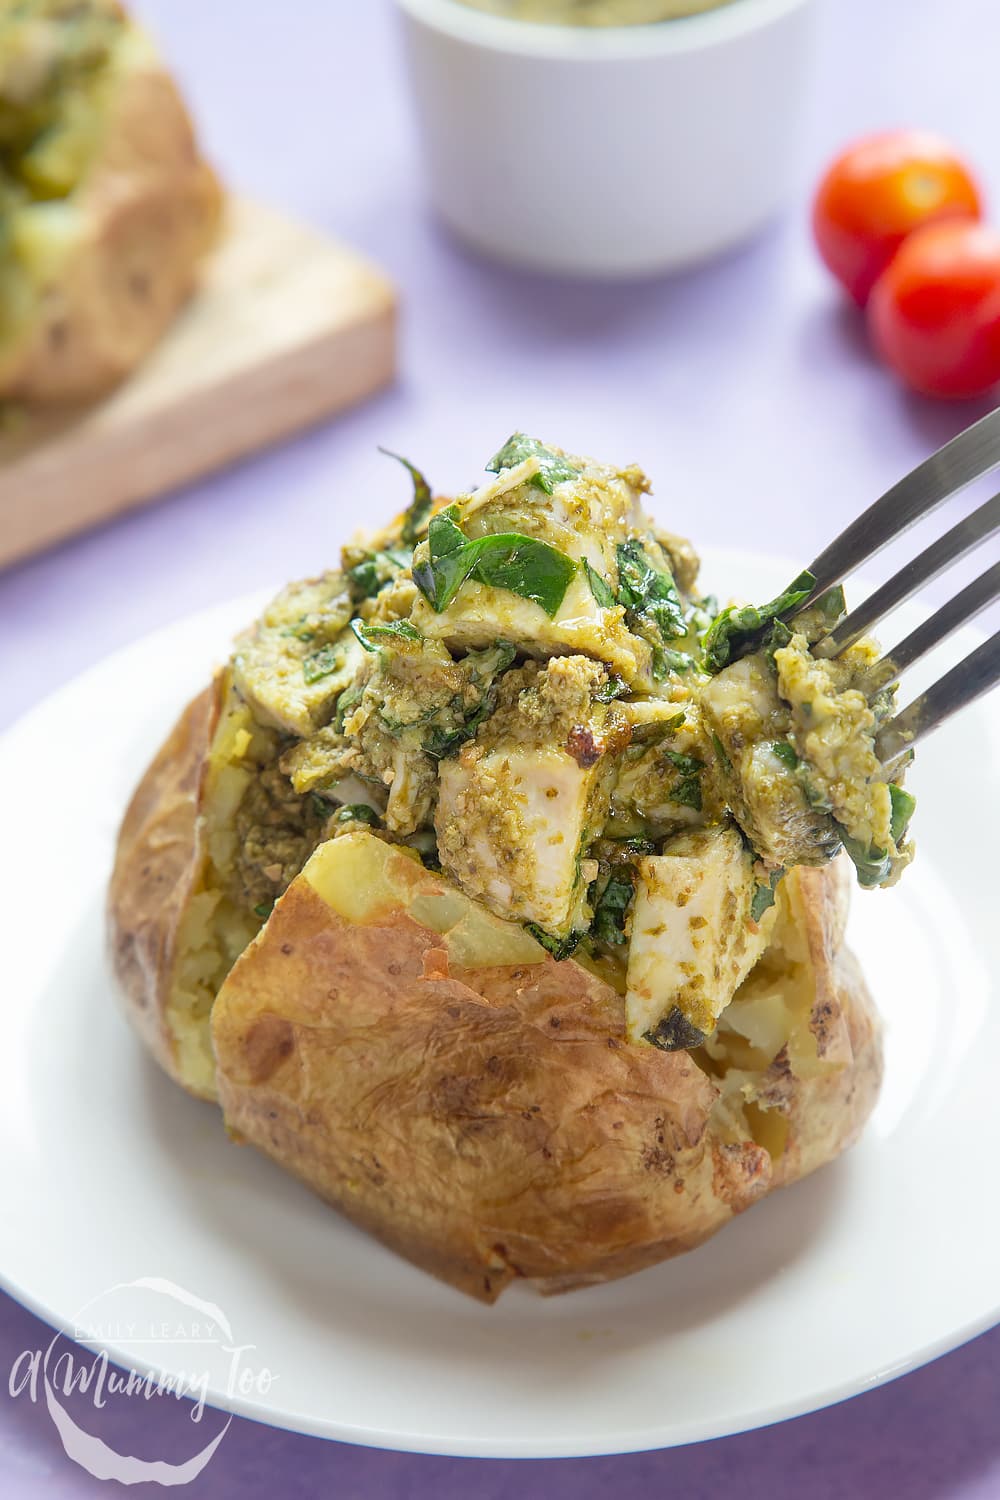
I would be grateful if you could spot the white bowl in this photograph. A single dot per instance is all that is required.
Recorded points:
(608, 151)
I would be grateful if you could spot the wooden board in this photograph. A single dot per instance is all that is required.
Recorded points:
(288, 328)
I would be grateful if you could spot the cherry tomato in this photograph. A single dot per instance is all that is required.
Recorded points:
(878, 192)
(935, 313)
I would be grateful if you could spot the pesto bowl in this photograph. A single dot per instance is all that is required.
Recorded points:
(618, 151)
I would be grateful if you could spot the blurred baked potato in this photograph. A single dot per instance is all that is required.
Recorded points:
(106, 207)
(442, 890)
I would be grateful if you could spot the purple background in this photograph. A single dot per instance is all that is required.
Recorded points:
(745, 389)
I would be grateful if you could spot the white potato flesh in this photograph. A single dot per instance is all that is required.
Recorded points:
(693, 940)
(363, 880)
(511, 823)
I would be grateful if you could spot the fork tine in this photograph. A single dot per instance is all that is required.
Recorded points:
(961, 539)
(949, 618)
(975, 452)
(976, 675)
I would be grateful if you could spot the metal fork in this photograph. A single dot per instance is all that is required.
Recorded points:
(968, 457)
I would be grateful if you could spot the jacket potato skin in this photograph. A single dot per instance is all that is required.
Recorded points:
(827, 1111)
(157, 867)
(493, 1123)
(144, 216)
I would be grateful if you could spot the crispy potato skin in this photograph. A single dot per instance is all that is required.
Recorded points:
(494, 1124)
(827, 1113)
(146, 213)
(157, 864)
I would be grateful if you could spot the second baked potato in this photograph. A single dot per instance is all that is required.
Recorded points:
(106, 206)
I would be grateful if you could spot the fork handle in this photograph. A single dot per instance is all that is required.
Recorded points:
(975, 452)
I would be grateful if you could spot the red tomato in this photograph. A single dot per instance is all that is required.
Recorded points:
(935, 313)
(877, 193)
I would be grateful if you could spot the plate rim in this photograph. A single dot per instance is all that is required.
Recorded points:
(643, 1441)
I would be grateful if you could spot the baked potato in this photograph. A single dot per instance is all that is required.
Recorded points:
(449, 891)
(106, 207)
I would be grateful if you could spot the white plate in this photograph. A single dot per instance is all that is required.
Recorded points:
(862, 1272)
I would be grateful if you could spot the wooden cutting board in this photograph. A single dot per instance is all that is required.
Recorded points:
(289, 327)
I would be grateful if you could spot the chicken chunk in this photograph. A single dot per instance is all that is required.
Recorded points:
(768, 796)
(693, 938)
(480, 614)
(520, 804)
(293, 665)
(587, 512)
(409, 706)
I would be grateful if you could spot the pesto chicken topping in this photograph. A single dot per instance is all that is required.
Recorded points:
(525, 687)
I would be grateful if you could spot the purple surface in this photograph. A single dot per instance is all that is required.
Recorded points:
(746, 391)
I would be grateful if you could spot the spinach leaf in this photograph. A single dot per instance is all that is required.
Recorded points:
(442, 743)
(763, 896)
(776, 636)
(740, 629)
(873, 865)
(374, 571)
(490, 661)
(612, 906)
(504, 560)
(560, 948)
(449, 561)
(785, 753)
(380, 633)
(831, 606)
(615, 687)
(665, 660)
(701, 613)
(363, 579)
(649, 593)
(688, 765)
(534, 570)
(322, 663)
(720, 751)
(516, 449)
(264, 910)
(358, 812)
(416, 514)
(903, 807)
(687, 793)
(487, 665)
(346, 704)
(599, 587)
